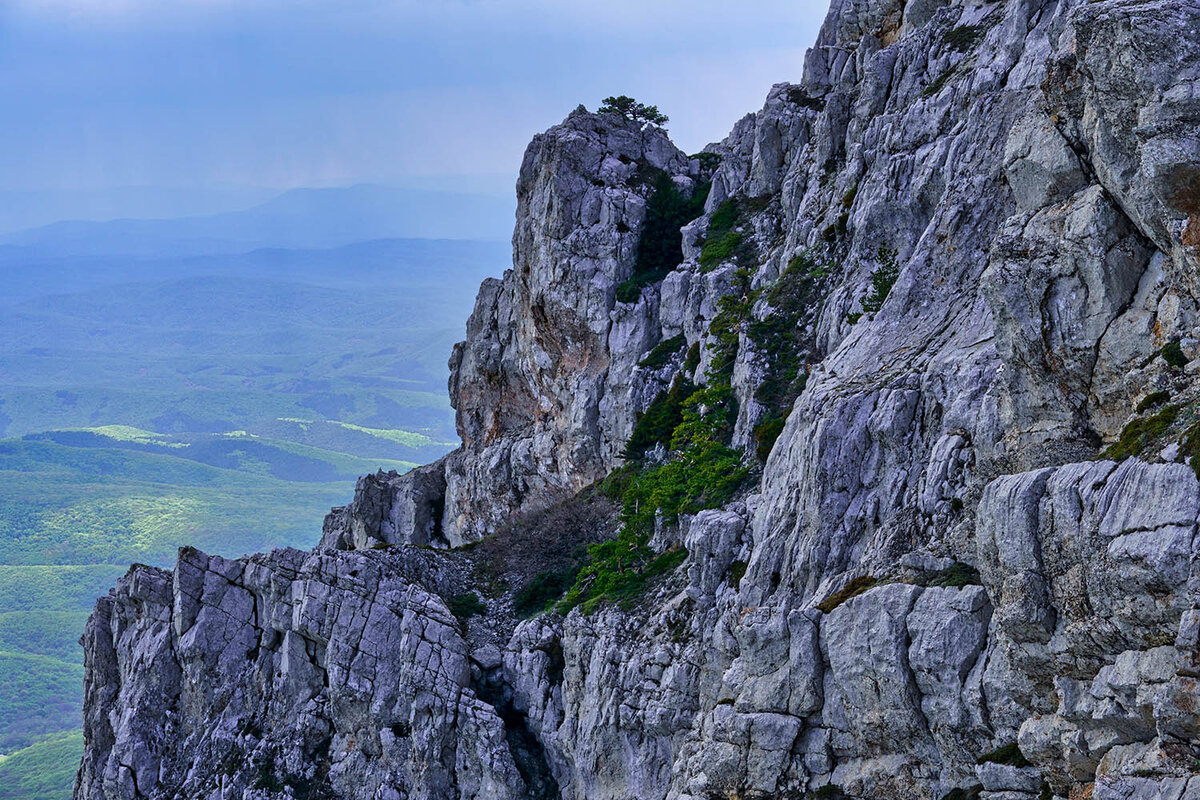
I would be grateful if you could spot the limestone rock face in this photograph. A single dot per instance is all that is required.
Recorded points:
(334, 674)
(542, 383)
(959, 258)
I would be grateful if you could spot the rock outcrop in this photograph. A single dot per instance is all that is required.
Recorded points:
(954, 271)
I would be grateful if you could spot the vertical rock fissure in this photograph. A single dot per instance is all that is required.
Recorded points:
(527, 751)
(437, 510)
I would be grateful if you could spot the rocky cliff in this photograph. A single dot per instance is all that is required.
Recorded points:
(893, 398)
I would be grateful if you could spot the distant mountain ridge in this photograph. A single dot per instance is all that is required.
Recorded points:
(300, 218)
(386, 263)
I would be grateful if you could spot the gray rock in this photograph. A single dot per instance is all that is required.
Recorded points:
(1030, 170)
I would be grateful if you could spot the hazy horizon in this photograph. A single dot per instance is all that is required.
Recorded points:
(139, 109)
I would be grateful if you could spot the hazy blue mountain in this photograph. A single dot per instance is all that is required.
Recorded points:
(301, 218)
(455, 265)
(28, 208)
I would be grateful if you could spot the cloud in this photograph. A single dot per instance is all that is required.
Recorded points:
(660, 19)
(271, 93)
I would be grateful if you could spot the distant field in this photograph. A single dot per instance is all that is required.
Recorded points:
(44, 770)
(97, 505)
(225, 412)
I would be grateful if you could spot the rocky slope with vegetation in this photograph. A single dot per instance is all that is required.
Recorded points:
(855, 456)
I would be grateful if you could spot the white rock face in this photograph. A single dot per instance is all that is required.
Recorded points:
(932, 587)
(334, 674)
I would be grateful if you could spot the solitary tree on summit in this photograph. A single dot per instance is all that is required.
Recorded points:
(629, 109)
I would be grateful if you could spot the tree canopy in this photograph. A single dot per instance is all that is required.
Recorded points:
(630, 109)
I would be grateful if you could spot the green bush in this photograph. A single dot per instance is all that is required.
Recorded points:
(1153, 400)
(1172, 353)
(722, 241)
(737, 571)
(719, 250)
(545, 588)
(733, 312)
(702, 472)
(660, 248)
(1190, 445)
(964, 37)
(882, 280)
(619, 571)
(1141, 433)
(854, 588)
(661, 355)
(708, 417)
(725, 217)
(658, 424)
(466, 605)
(629, 109)
(629, 290)
(766, 433)
(778, 337)
(660, 245)
(957, 575)
(703, 476)
(797, 96)
(936, 85)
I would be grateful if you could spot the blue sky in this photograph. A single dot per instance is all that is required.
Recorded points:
(217, 100)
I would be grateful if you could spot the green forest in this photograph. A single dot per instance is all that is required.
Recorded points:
(229, 413)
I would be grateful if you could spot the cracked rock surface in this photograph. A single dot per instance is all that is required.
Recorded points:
(969, 566)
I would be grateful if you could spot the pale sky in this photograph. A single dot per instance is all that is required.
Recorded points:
(201, 95)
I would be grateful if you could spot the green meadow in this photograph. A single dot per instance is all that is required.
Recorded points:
(225, 413)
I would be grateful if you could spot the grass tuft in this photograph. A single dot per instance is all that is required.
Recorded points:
(1139, 434)
(465, 605)
(662, 353)
(1152, 400)
(853, 588)
(1172, 353)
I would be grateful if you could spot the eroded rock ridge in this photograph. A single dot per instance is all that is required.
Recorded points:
(947, 287)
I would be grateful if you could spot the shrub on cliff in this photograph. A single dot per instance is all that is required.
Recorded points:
(723, 240)
(779, 340)
(658, 424)
(882, 280)
(662, 353)
(618, 571)
(1172, 353)
(629, 109)
(466, 605)
(542, 590)
(702, 472)
(660, 246)
(1139, 434)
